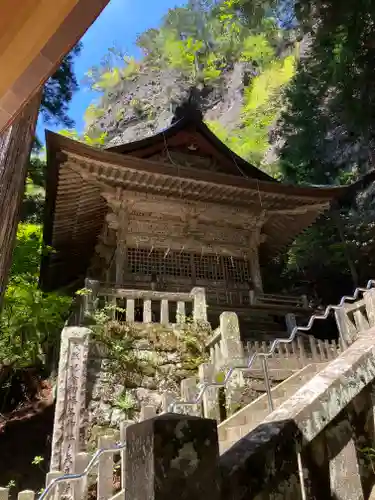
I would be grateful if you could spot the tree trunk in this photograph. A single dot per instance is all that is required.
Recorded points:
(15, 148)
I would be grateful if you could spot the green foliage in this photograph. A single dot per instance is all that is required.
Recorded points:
(257, 48)
(27, 252)
(97, 139)
(93, 113)
(263, 103)
(59, 89)
(326, 136)
(11, 484)
(37, 460)
(126, 404)
(328, 124)
(182, 54)
(31, 321)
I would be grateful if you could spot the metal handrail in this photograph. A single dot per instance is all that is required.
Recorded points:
(265, 355)
(121, 446)
(74, 477)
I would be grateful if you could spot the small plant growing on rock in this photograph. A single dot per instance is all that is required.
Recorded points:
(126, 404)
(38, 461)
(369, 455)
(11, 484)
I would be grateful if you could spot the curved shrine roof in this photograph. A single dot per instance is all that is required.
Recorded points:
(205, 170)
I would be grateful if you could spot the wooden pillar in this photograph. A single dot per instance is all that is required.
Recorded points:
(256, 238)
(256, 275)
(15, 147)
(121, 248)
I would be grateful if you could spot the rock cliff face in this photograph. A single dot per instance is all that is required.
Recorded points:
(145, 105)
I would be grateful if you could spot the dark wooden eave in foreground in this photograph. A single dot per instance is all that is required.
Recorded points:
(35, 36)
(75, 210)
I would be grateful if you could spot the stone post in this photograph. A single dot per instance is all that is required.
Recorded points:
(301, 348)
(290, 321)
(70, 398)
(167, 398)
(147, 411)
(369, 298)
(81, 486)
(26, 495)
(233, 356)
(360, 321)
(180, 312)
(164, 312)
(346, 329)
(172, 455)
(90, 299)
(130, 310)
(58, 489)
(210, 398)
(231, 344)
(4, 493)
(189, 391)
(199, 305)
(105, 469)
(147, 311)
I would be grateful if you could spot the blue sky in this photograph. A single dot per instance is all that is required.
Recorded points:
(118, 25)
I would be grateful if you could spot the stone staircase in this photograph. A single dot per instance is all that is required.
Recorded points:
(291, 365)
(242, 422)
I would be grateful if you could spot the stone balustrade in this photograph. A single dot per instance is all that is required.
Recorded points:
(170, 307)
(355, 317)
(226, 348)
(299, 353)
(225, 345)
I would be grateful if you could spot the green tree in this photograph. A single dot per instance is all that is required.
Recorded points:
(59, 90)
(328, 126)
(31, 321)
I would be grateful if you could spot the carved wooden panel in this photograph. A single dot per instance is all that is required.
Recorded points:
(157, 206)
(190, 159)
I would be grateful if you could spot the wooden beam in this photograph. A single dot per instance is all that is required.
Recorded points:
(316, 207)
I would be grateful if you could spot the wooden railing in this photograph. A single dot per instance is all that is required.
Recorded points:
(172, 307)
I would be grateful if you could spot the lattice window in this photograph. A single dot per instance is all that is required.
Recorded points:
(208, 267)
(177, 264)
(237, 270)
(172, 263)
(143, 261)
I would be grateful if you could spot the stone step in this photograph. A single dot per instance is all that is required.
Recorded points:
(277, 363)
(253, 414)
(276, 375)
(225, 445)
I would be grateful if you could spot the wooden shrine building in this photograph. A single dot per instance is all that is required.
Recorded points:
(169, 212)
